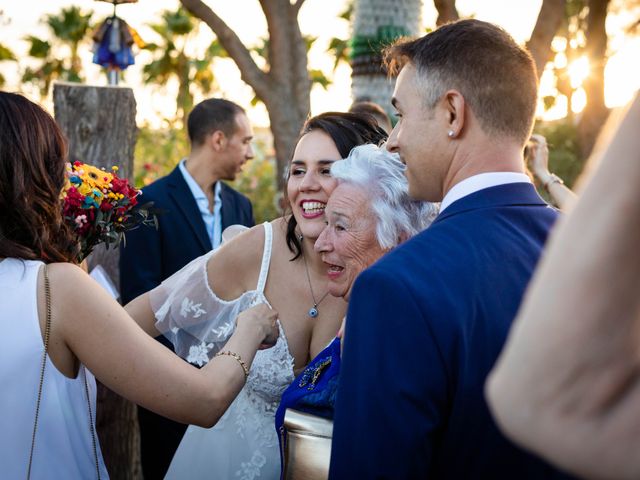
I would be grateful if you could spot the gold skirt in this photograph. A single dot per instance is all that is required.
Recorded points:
(308, 449)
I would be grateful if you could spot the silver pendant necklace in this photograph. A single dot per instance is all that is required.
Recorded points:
(313, 311)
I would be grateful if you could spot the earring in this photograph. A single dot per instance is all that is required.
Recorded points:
(451, 133)
(300, 237)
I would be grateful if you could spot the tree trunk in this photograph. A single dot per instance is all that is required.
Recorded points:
(286, 87)
(285, 125)
(99, 123)
(550, 19)
(378, 23)
(595, 112)
(447, 11)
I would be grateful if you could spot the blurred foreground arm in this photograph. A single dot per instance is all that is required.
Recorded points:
(537, 156)
(567, 385)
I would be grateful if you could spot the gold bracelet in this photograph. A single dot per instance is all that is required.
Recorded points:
(238, 358)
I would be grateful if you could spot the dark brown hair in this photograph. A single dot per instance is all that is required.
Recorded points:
(373, 109)
(212, 115)
(32, 174)
(495, 75)
(347, 130)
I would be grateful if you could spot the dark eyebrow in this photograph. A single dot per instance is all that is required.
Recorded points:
(321, 162)
(394, 102)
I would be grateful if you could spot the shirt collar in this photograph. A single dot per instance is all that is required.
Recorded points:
(479, 182)
(196, 190)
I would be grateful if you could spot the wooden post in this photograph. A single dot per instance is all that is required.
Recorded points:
(100, 125)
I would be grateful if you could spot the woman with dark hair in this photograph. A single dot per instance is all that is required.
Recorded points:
(55, 320)
(275, 263)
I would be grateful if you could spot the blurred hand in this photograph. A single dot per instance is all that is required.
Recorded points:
(537, 157)
(264, 319)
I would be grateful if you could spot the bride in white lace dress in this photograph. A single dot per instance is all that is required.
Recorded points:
(273, 263)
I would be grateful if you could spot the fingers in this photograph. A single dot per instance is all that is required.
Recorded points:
(539, 139)
(264, 318)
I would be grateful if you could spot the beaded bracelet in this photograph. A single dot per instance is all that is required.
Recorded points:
(238, 358)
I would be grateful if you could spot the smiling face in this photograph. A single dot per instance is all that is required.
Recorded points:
(348, 244)
(420, 137)
(310, 182)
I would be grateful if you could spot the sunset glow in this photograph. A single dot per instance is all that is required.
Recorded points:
(318, 18)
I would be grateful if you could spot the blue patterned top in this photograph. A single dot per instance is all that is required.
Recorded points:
(314, 390)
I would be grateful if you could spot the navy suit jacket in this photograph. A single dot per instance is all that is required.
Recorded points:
(149, 256)
(424, 327)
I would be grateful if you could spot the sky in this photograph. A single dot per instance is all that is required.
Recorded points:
(317, 17)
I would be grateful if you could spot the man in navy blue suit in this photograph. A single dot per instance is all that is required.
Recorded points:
(426, 323)
(196, 206)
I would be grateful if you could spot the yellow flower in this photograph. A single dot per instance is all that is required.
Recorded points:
(96, 177)
(85, 188)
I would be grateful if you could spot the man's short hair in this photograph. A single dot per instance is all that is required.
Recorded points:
(496, 76)
(210, 116)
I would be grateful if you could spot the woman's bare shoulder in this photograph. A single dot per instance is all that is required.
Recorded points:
(238, 263)
(67, 276)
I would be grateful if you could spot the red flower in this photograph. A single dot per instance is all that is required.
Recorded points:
(105, 206)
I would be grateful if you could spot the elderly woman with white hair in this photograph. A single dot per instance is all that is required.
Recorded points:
(369, 213)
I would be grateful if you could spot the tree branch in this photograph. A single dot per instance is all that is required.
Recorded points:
(549, 21)
(447, 11)
(288, 53)
(276, 13)
(296, 5)
(249, 71)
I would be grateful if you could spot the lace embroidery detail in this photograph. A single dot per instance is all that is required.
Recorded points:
(199, 354)
(190, 307)
(271, 373)
(251, 469)
(225, 330)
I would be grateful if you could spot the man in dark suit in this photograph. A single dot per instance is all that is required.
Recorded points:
(426, 323)
(196, 206)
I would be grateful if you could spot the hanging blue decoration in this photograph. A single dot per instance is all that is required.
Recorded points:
(114, 40)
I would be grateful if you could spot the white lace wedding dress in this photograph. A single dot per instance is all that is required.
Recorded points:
(243, 445)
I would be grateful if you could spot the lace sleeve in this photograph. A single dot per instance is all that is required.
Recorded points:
(190, 315)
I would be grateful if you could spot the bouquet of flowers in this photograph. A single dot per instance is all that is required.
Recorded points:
(98, 206)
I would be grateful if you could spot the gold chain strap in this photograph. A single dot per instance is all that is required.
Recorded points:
(47, 332)
(91, 427)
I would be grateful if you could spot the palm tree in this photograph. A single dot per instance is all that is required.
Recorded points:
(59, 58)
(375, 26)
(171, 61)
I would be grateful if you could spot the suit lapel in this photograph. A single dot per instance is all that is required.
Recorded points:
(514, 194)
(186, 204)
(227, 209)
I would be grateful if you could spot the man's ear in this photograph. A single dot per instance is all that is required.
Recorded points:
(218, 141)
(454, 104)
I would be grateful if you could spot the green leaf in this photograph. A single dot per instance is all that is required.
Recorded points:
(6, 54)
(309, 40)
(340, 49)
(347, 14)
(549, 101)
(317, 76)
(215, 49)
(38, 48)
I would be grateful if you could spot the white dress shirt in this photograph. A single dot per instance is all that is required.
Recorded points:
(480, 182)
(212, 221)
